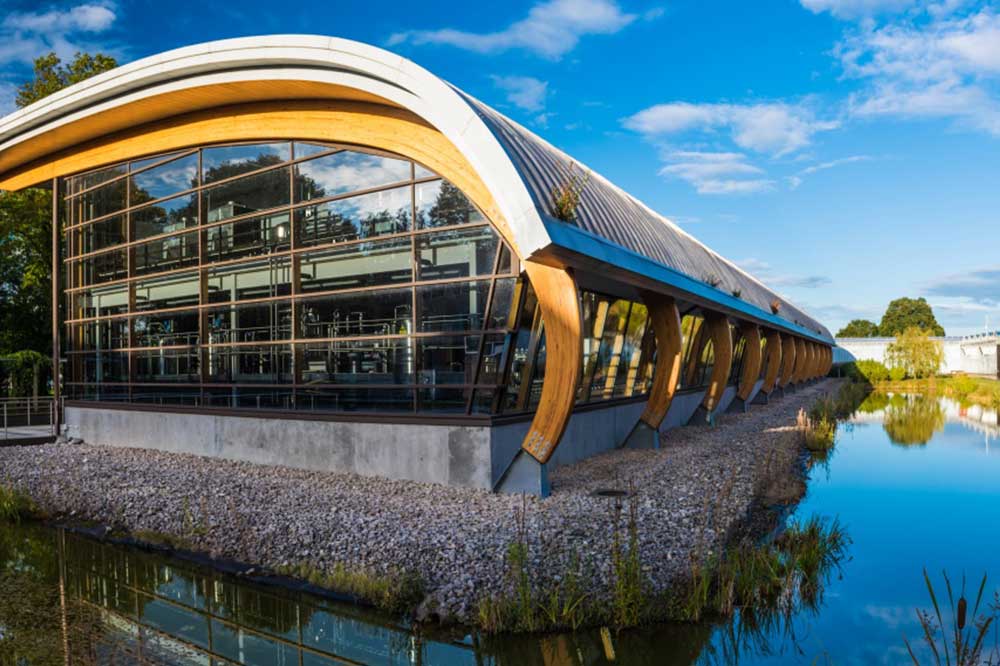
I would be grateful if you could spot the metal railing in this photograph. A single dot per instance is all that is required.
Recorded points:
(25, 418)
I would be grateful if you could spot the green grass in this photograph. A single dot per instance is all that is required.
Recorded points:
(15, 505)
(397, 592)
(966, 389)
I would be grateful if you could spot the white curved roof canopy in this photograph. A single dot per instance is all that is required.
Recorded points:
(518, 167)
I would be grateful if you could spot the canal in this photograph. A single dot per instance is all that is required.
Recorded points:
(915, 481)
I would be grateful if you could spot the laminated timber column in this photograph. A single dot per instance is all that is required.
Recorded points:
(721, 335)
(814, 368)
(772, 367)
(559, 301)
(666, 321)
(801, 361)
(752, 360)
(788, 354)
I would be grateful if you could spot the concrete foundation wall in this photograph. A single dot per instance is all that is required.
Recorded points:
(456, 455)
(681, 409)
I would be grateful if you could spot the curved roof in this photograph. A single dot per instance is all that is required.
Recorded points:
(519, 168)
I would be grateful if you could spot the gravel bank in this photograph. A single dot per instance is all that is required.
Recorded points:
(691, 491)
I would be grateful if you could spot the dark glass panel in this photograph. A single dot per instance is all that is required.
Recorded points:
(250, 398)
(167, 365)
(448, 359)
(691, 334)
(494, 357)
(167, 292)
(139, 165)
(443, 399)
(247, 238)
(457, 253)
(166, 254)
(482, 400)
(385, 361)
(99, 235)
(100, 302)
(166, 395)
(455, 306)
(84, 181)
(358, 265)
(261, 191)
(346, 171)
(164, 217)
(355, 399)
(228, 161)
(387, 312)
(524, 346)
(256, 364)
(441, 204)
(253, 322)
(164, 180)
(256, 279)
(101, 392)
(363, 216)
(171, 329)
(503, 299)
(739, 349)
(602, 381)
(102, 201)
(101, 268)
(506, 264)
(594, 309)
(305, 149)
(102, 334)
(103, 366)
(630, 377)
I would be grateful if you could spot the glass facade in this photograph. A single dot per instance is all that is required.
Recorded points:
(303, 276)
(284, 275)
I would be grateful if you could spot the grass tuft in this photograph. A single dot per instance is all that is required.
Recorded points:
(397, 592)
(15, 505)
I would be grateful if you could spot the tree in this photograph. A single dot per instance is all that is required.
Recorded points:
(914, 351)
(904, 313)
(859, 328)
(52, 75)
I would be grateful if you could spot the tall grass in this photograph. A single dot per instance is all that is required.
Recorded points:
(15, 505)
(963, 643)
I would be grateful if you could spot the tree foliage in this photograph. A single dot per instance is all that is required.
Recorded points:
(915, 352)
(859, 328)
(904, 313)
(52, 75)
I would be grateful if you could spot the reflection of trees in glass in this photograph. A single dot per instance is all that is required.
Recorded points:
(913, 421)
(451, 207)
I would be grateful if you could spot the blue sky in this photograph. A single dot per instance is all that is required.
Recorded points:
(847, 152)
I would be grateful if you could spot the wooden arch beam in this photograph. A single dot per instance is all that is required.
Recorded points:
(752, 359)
(772, 361)
(801, 361)
(666, 321)
(722, 348)
(337, 121)
(559, 301)
(788, 353)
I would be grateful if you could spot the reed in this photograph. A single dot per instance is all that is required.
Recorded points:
(963, 643)
(15, 505)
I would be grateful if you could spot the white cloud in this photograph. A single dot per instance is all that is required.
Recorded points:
(764, 272)
(524, 92)
(25, 36)
(933, 66)
(715, 173)
(847, 9)
(550, 30)
(773, 127)
(822, 166)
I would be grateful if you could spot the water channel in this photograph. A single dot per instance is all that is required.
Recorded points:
(915, 481)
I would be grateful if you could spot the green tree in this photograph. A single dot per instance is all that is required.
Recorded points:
(52, 75)
(914, 351)
(904, 313)
(859, 328)
(26, 224)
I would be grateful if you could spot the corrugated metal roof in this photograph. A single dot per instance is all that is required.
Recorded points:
(607, 211)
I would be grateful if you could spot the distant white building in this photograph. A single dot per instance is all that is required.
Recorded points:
(972, 354)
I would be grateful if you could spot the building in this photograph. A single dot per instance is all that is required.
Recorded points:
(969, 354)
(309, 251)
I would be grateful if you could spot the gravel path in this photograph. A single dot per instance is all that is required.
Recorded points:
(689, 492)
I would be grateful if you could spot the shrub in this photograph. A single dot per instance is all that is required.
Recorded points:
(870, 371)
(897, 373)
(963, 385)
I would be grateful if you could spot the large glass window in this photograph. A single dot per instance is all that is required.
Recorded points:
(274, 275)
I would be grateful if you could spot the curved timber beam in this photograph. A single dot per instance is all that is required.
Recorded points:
(772, 361)
(788, 353)
(801, 360)
(752, 358)
(666, 320)
(558, 298)
(722, 348)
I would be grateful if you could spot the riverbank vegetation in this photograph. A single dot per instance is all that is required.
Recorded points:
(15, 505)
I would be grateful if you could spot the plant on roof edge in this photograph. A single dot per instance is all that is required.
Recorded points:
(566, 196)
(775, 306)
(711, 279)
(737, 293)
